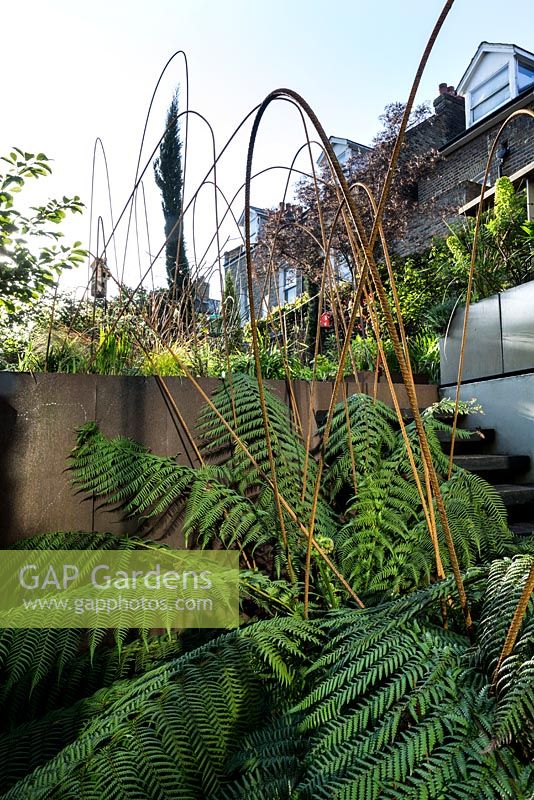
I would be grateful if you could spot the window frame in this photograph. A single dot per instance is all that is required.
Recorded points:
(529, 65)
(289, 287)
(505, 69)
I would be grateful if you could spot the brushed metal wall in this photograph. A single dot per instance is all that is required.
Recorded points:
(500, 337)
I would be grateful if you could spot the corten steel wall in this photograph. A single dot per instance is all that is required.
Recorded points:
(39, 415)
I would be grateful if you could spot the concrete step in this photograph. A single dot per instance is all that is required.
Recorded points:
(522, 528)
(480, 438)
(515, 494)
(492, 462)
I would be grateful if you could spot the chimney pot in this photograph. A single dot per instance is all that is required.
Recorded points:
(443, 88)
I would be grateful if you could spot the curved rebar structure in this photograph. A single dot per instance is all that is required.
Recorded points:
(354, 204)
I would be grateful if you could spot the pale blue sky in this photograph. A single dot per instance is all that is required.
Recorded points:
(77, 69)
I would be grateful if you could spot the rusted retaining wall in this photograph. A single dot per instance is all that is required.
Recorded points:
(39, 415)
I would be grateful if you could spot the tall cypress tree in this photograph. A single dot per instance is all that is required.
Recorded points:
(168, 175)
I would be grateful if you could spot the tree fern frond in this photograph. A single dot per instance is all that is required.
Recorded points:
(239, 405)
(387, 710)
(371, 435)
(182, 720)
(515, 679)
(32, 658)
(127, 475)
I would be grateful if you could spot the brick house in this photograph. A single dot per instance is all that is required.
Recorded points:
(498, 81)
(289, 284)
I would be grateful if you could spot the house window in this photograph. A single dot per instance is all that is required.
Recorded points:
(525, 76)
(289, 288)
(490, 94)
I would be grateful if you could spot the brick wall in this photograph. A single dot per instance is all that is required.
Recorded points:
(455, 179)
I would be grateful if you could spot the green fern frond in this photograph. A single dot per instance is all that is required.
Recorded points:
(371, 435)
(387, 710)
(179, 722)
(31, 659)
(239, 404)
(515, 680)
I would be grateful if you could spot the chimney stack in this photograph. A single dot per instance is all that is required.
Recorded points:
(450, 108)
(445, 89)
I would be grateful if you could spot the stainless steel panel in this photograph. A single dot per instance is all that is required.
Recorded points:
(483, 353)
(517, 310)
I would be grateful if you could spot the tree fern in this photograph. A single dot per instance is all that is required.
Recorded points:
(384, 545)
(160, 492)
(378, 547)
(376, 703)
(389, 709)
(32, 660)
(477, 519)
(231, 499)
(369, 438)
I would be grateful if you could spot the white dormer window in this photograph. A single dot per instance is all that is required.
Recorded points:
(490, 94)
(497, 74)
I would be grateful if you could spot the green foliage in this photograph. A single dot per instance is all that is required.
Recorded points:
(364, 353)
(368, 436)
(239, 404)
(32, 663)
(419, 289)
(273, 363)
(515, 678)
(179, 709)
(202, 358)
(504, 253)
(446, 405)
(387, 709)
(166, 496)
(24, 274)
(166, 362)
(384, 544)
(424, 354)
(62, 335)
(431, 284)
(368, 511)
(173, 726)
(370, 703)
(324, 368)
(112, 352)
(66, 352)
(380, 702)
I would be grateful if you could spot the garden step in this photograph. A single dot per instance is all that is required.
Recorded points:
(481, 437)
(515, 494)
(484, 435)
(522, 528)
(492, 462)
